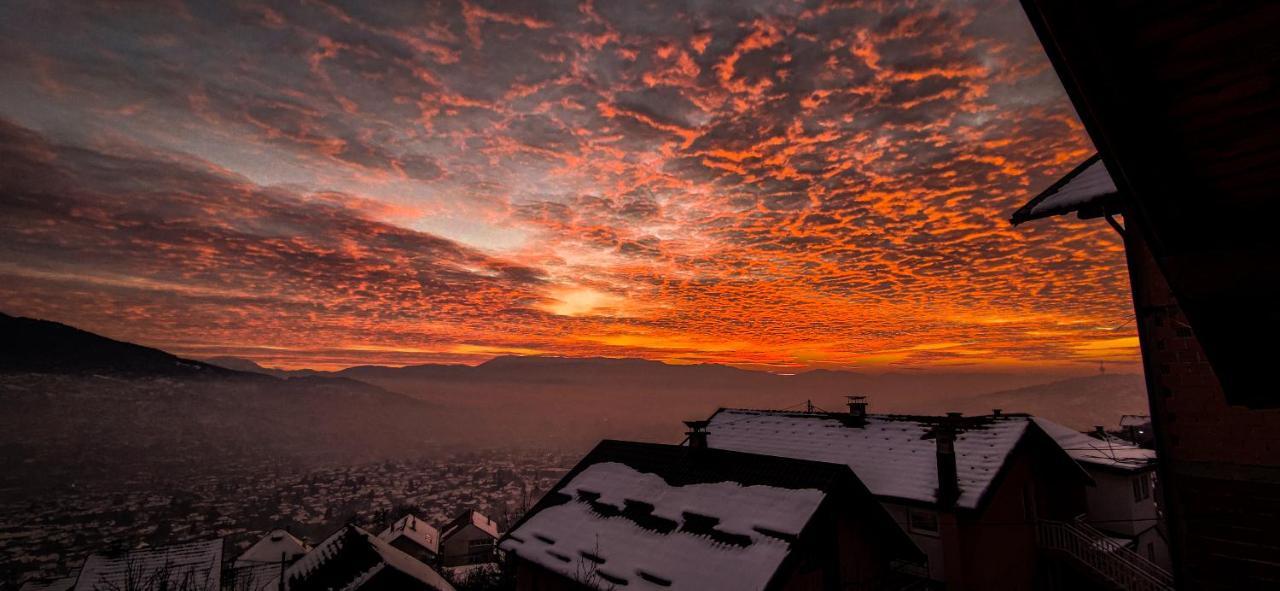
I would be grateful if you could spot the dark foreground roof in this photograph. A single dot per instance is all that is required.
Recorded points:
(194, 565)
(1182, 101)
(352, 558)
(664, 516)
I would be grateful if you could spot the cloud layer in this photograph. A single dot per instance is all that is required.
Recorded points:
(773, 184)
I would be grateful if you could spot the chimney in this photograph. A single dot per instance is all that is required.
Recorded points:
(995, 412)
(697, 434)
(945, 437)
(1100, 431)
(857, 407)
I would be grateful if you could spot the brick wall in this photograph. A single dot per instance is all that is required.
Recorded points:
(1220, 464)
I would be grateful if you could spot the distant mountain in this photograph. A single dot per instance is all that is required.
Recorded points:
(528, 401)
(576, 401)
(74, 405)
(28, 345)
(1079, 403)
(250, 366)
(239, 364)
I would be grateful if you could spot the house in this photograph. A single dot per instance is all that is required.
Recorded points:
(1180, 100)
(468, 539)
(62, 584)
(1122, 501)
(353, 559)
(194, 566)
(1184, 380)
(969, 491)
(650, 516)
(262, 565)
(414, 537)
(254, 577)
(276, 547)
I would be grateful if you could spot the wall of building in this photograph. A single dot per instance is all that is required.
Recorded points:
(1153, 546)
(414, 549)
(862, 558)
(1220, 464)
(1112, 507)
(929, 543)
(998, 546)
(457, 550)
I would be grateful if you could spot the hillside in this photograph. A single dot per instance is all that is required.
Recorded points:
(1079, 403)
(86, 396)
(28, 345)
(89, 406)
(560, 401)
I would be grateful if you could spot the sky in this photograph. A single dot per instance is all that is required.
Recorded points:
(776, 185)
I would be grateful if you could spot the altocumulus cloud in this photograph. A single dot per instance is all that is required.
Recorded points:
(765, 183)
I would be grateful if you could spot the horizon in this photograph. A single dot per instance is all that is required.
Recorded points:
(1049, 374)
(519, 295)
(781, 188)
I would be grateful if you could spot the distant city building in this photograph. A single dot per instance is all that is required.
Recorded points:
(414, 537)
(195, 566)
(649, 516)
(353, 559)
(469, 539)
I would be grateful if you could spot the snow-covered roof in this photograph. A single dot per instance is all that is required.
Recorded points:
(1111, 452)
(255, 577)
(471, 517)
(63, 584)
(194, 565)
(1134, 420)
(342, 541)
(421, 532)
(271, 547)
(894, 456)
(592, 539)
(1086, 185)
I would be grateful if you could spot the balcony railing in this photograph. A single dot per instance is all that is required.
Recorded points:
(1104, 556)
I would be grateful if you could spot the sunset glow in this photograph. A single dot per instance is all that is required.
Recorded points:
(774, 185)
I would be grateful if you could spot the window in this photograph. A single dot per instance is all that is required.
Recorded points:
(923, 522)
(1142, 488)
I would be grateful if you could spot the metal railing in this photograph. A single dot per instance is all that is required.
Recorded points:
(1103, 555)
